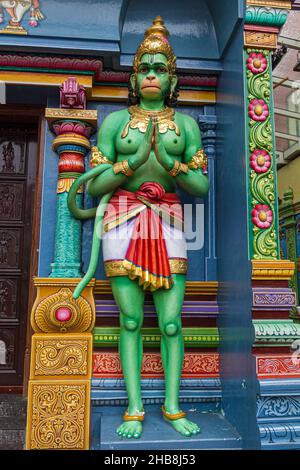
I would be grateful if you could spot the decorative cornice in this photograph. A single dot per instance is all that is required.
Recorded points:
(192, 288)
(272, 270)
(195, 365)
(273, 299)
(284, 407)
(58, 64)
(100, 85)
(266, 16)
(276, 332)
(280, 435)
(263, 21)
(57, 114)
(277, 366)
(286, 4)
(57, 282)
(46, 63)
(193, 337)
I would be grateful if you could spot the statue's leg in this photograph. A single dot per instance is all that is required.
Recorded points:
(129, 297)
(168, 304)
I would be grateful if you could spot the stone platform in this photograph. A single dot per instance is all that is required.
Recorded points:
(217, 433)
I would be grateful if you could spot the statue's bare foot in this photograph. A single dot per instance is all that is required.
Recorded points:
(185, 427)
(180, 423)
(130, 429)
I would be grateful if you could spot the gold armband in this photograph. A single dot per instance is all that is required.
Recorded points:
(199, 160)
(123, 167)
(178, 168)
(98, 158)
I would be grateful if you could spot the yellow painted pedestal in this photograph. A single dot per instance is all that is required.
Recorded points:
(58, 415)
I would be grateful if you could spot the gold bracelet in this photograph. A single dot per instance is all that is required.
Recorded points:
(199, 160)
(178, 168)
(98, 158)
(123, 167)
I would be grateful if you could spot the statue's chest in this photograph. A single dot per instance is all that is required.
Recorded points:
(174, 144)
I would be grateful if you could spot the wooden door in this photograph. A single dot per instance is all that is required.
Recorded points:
(18, 153)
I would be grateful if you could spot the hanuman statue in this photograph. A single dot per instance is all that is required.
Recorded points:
(142, 154)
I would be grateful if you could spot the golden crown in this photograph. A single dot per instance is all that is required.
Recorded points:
(156, 41)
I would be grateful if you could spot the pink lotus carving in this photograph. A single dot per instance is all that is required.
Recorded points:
(257, 62)
(262, 216)
(260, 161)
(258, 110)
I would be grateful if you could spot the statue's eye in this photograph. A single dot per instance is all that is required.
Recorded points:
(161, 70)
(143, 69)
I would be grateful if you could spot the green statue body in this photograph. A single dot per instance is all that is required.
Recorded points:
(167, 157)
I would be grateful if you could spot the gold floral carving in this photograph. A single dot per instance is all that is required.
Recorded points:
(43, 317)
(57, 355)
(260, 39)
(58, 415)
(64, 185)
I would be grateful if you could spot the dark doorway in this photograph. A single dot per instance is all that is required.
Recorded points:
(18, 160)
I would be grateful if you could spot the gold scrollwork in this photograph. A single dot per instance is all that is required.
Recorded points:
(44, 314)
(60, 356)
(58, 415)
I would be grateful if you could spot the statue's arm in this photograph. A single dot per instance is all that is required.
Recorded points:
(107, 181)
(194, 182)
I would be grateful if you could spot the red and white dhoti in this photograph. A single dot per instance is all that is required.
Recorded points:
(143, 236)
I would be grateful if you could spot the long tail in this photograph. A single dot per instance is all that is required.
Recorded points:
(76, 211)
(98, 213)
(96, 243)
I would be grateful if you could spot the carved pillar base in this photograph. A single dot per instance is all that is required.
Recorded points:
(58, 415)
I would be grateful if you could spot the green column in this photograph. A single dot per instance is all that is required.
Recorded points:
(72, 145)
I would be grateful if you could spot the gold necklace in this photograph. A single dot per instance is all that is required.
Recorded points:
(139, 119)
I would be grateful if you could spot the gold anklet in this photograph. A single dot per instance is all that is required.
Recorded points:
(172, 416)
(139, 416)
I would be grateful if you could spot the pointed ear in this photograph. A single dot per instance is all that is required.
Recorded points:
(133, 81)
(174, 81)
